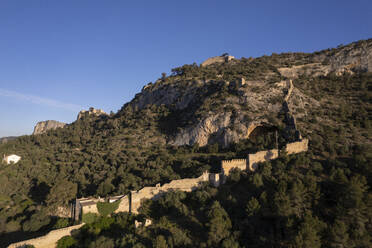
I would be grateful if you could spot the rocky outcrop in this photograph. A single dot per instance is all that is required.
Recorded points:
(356, 57)
(351, 58)
(248, 107)
(313, 69)
(91, 111)
(44, 126)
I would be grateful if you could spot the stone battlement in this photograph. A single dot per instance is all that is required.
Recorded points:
(132, 201)
(261, 156)
(233, 161)
(227, 165)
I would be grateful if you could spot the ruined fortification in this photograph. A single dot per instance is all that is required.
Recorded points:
(227, 165)
(91, 111)
(132, 202)
(218, 59)
(262, 156)
(297, 146)
(49, 240)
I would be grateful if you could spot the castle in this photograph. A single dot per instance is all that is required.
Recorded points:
(132, 202)
(218, 59)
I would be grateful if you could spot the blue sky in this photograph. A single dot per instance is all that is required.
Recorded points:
(58, 57)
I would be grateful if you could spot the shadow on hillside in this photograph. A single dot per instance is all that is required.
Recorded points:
(13, 237)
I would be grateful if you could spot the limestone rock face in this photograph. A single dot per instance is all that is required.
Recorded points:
(43, 126)
(349, 59)
(352, 58)
(91, 111)
(228, 121)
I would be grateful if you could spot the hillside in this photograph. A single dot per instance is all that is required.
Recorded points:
(185, 123)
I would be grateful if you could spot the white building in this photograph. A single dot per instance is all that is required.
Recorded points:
(11, 159)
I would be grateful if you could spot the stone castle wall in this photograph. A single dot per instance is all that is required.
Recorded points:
(217, 59)
(227, 165)
(132, 202)
(187, 184)
(262, 156)
(124, 205)
(49, 240)
(297, 147)
(290, 90)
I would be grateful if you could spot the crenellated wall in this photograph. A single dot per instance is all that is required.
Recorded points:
(262, 156)
(187, 184)
(227, 165)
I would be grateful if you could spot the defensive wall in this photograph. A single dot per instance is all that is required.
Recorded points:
(253, 159)
(297, 146)
(261, 156)
(49, 240)
(132, 202)
(227, 165)
(290, 90)
(217, 59)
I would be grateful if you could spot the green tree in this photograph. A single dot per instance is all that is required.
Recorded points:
(308, 233)
(66, 242)
(61, 193)
(339, 237)
(253, 206)
(160, 242)
(219, 224)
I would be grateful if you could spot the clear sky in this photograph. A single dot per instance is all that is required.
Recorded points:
(58, 57)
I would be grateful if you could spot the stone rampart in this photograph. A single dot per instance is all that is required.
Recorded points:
(290, 90)
(217, 59)
(262, 156)
(227, 165)
(124, 205)
(187, 184)
(49, 240)
(297, 147)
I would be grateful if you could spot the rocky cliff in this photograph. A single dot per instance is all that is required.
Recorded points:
(43, 126)
(355, 57)
(232, 108)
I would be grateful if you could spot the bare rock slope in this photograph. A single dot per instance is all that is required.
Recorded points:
(43, 126)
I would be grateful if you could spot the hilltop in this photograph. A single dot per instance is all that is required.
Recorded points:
(185, 123)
